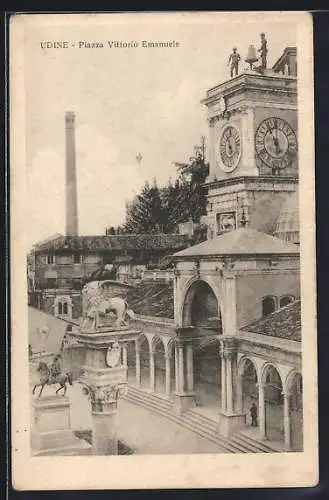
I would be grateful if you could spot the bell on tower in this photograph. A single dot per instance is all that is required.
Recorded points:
(251, 56)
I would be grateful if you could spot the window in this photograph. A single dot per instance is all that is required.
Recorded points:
(65, 308)
(268, 306)
(50, 259)
(285, 300)
(77, 258)
(76, 283)
(60, 308)
(51, 282)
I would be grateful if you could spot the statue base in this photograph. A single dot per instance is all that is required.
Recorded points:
(51, 432)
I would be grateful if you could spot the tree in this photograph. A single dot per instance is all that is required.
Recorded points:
(192, 176)
(145, 213)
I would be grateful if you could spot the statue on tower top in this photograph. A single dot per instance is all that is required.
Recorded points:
(263, 51)
(234, 59)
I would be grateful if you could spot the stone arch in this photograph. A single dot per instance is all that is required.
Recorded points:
(247, 384)
(294, 391)
(192, 301)
(144, 346)
(170, 347)
(158, 353)
(141, 339)
(272, 382)
(157, 340)
(265, 369)
(242, 363)
(290, 378)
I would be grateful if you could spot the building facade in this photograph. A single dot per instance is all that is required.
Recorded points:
(236, 334)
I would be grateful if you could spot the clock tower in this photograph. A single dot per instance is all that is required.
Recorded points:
(253, 147)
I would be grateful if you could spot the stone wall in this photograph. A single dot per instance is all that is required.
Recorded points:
(251, 289)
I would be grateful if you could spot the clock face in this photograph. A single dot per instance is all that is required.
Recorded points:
(229, 148)
(276, 143)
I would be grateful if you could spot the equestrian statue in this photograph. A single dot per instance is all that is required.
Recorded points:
(52, 375)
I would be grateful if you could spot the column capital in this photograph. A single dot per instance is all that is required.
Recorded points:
(228, 347)
(104, 398)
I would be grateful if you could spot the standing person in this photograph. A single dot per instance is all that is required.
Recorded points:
(234, 59)
(253, 414)
(263, 51)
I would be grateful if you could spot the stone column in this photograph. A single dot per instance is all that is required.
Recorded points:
(168, 375)
(239, 393)
(229, 383)
(261, 411)
(138, 365)
(152, 371)
(176, 369)
(190, 374)
(229, 323)
(286, 419)
(124, 355)
(230, 421)
(125, 358)
(223, 382)
(181, 368)
(104, 420)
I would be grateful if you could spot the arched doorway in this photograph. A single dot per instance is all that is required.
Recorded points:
(144, 361)
(159, 365)
(249, 387)
(201, 307)
(207, 373)
(201, 311)
(274, 423)
(296, 412)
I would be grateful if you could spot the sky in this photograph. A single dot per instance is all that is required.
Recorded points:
(126, 101)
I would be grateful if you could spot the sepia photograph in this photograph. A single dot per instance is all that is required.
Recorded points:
(163, 250)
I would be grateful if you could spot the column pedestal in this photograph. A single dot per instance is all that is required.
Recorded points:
(229, 423)
(104, 377)
(184, 401)
(51, 432)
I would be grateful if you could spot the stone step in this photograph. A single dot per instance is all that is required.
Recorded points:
(195, 423)
(254, 445)
(150, 397)
(212, 425)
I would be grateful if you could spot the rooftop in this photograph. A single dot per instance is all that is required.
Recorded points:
(284, 323)
(157, 241)
(241, 242)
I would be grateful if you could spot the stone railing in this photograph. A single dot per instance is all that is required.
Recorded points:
(158, 275)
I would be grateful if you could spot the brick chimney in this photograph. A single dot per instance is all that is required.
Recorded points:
(71, 179)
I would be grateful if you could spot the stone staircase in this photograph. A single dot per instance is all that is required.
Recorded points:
(197, 423)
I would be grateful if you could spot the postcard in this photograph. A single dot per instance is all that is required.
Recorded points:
(162, 259)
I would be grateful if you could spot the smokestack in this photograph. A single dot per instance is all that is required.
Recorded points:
(71, 179)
